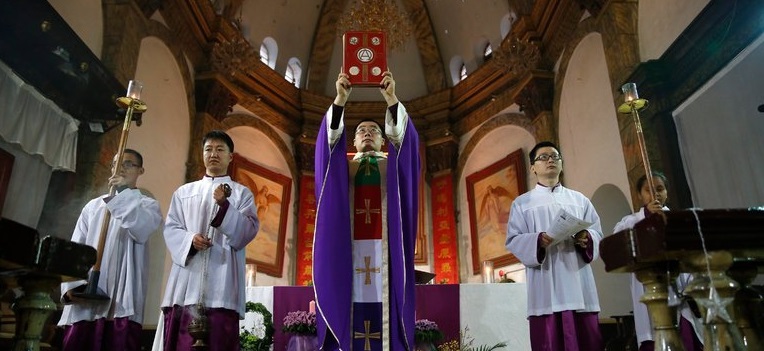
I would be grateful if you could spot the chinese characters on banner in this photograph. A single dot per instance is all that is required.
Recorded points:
(305, 227)
(445, 252)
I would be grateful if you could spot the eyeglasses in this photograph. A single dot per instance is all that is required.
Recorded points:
(364, 130)
(546, 157)
(126, 164)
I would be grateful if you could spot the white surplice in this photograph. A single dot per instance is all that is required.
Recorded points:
(562, 281)
(134, 217)
(191, 211)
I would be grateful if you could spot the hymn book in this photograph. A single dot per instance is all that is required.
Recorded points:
(364, 57)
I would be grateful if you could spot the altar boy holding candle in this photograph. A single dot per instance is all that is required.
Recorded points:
(563, 306)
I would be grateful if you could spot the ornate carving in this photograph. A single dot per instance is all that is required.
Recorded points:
(215, 96)
(536, 96)
(442, 154)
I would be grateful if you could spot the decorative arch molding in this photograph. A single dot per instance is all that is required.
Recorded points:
(505, 119)
(246, 120)
(123, 59)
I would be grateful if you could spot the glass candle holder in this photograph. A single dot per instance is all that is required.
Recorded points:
(630, 92)
(250, 274)
(134, 89)
(488, 272)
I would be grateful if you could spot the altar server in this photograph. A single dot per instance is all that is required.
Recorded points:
(563, 306)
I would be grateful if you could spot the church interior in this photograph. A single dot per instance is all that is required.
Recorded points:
(482, 80)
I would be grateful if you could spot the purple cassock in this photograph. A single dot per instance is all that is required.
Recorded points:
(333, 248)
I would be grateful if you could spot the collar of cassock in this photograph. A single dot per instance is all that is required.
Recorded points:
(360, 155)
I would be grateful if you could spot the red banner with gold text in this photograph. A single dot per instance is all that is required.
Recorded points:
(305, 226)
(445, 253)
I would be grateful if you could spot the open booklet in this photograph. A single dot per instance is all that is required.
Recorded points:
(565, 225)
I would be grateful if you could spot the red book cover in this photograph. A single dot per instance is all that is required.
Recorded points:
(364, 57)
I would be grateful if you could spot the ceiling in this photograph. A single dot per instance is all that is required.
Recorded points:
(444, 30)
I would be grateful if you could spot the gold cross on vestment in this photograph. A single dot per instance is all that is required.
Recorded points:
(367, 335)
(367, 210)
(366, 167)
(368, 270)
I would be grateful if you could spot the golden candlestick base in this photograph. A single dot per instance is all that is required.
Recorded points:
(638, 105)
(137, 105)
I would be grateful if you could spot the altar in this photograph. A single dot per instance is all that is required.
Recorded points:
(490, 313)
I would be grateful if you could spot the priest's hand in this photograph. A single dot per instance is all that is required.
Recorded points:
(221, 194)
(387, 87)
(200, 242)
(343, 89)
(581, 239)
(545, 240)
(655, 207)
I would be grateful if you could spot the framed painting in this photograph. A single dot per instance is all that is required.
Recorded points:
(272, 193)
(490, 193)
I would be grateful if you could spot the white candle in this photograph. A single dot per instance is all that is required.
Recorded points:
(134, 89)
(312, 306)
(630, 92)
(251, 271)
(487, 271)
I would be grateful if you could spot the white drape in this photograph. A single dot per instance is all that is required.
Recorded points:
(38, 125)
(41, 137)
(721, 135)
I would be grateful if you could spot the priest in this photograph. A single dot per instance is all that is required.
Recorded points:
(363, 270)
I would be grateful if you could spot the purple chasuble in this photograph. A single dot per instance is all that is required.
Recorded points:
(332, 241)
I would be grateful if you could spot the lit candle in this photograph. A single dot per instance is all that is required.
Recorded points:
(312, 306)
(251, 270)
(134, 89)
(630, 92)
(487, 271)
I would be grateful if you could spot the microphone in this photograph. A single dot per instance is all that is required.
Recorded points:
(761, 108)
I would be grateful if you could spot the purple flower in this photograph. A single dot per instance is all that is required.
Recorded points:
(300, 322)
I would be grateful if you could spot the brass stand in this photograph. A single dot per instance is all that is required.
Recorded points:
(662, 317)
(748, 303)
(714, 292)
(32, 311)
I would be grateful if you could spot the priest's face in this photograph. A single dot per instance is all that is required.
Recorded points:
(368, 137)
(548, 163)
(217, 156)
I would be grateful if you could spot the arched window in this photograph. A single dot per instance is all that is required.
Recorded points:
(457, 69)
(264, 54)
(487, 52)
(269, 50)
(506, 24)
(293, 71)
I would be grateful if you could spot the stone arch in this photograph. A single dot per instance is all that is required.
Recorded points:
(515, 119)
(241, 119)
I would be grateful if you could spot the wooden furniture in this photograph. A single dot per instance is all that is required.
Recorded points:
(723, 249)
(37, 264)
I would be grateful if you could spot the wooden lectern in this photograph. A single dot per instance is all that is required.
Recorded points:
(37, 265)
(727, 256)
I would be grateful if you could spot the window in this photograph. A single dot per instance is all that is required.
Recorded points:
(293, 71)
(487, 52)
(264, 54)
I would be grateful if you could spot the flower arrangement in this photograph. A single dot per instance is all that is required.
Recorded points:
(249, 339)
(300, 323)
(466, 343)
(504, 277)
(426, 331)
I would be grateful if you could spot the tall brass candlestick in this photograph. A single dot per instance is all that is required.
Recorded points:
(632, 105)
(133, 104)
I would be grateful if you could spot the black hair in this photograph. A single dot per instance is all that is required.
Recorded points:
(381, 129)
(219, 135)
(137, 155)
(536, 148)
(641, 181)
